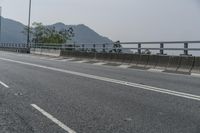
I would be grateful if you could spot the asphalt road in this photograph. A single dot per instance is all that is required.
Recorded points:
(44, 95)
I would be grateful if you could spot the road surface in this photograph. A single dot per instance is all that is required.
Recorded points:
(48, 95)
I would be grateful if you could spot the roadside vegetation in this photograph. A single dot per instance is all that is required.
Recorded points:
(41, 34)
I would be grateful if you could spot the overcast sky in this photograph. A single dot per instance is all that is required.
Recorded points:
(125, 20)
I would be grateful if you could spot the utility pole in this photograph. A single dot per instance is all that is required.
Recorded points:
(29, 21)
(0, 23)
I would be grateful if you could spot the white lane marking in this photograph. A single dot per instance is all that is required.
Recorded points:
(121, 82)
(54, 59)
(195, 75)
(52, 118)
(124, 66)
(5, 85)
(82, 61)
(99, 63)
(155, 70)
(44, 58)
(64, 60)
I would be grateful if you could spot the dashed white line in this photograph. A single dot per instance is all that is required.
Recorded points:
(195, 75)
(5, 85)
(121, 82)
(155, 70)
(82, 61)
(52, 118)
(124, 66)
(99, 63)
(54, 59)
(65, 60)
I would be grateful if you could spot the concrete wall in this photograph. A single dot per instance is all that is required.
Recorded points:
(19, 50)
(182, 64)
(48, 52)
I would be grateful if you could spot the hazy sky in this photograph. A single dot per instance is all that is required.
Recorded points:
(125, 20)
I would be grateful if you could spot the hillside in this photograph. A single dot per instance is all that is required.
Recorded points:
(12, 33)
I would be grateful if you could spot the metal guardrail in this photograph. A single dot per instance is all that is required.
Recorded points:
(106, 47)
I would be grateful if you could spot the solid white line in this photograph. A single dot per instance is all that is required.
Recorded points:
(54, 59)
(195, 75)
(99, 63)
(64, 60)
(121, 82)
(155, 70)
(4, 84)
(56, 121)
(124, 66)
(82, 61)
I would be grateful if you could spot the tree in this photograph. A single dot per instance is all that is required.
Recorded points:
(117, 47)
(48, 34)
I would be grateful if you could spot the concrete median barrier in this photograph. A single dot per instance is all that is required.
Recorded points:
(106, 56)
(186, 64)
(162, 62)
(48, 52)
(135, 59)
(119, 57)
(174, 63)
(196, 66)
(18, 50)
(111, 56)
(65, 53)
(99, 56)
(153, 61)
(143, 61)
(127, 58)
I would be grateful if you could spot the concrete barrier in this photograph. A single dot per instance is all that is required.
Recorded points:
(186, 64)
(196, 66)
(111, 56)
(153, 61)
(64, 53)
(118, 57)
(174, 63)
(48, 52)
(143, 61)
(19, 50)
(99, 56)
(135, 59)
(162, 62)
(84, 54)
(127, 58)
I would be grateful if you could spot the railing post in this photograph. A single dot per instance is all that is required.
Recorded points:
(94, 48)
(161, 48)
(83, 47)
(185, 48)
(74, 47)
(104, 46)
(139, 48)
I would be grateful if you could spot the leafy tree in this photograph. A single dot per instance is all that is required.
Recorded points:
(116, 47)
(48, 34)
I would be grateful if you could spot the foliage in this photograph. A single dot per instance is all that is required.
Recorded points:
(49, 34)
(116, 47)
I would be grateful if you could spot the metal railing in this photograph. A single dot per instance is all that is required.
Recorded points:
(186, 46)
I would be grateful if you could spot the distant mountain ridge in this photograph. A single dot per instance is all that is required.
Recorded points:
(12, 33)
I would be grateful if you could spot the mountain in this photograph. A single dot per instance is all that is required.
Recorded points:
(83, 34)
(12, 33)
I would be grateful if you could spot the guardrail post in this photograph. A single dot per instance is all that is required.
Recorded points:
(104, 46)
(83, 47)
(139, 48)
(185, 48)
(161, 48)
(74, 47)
(94, 48)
